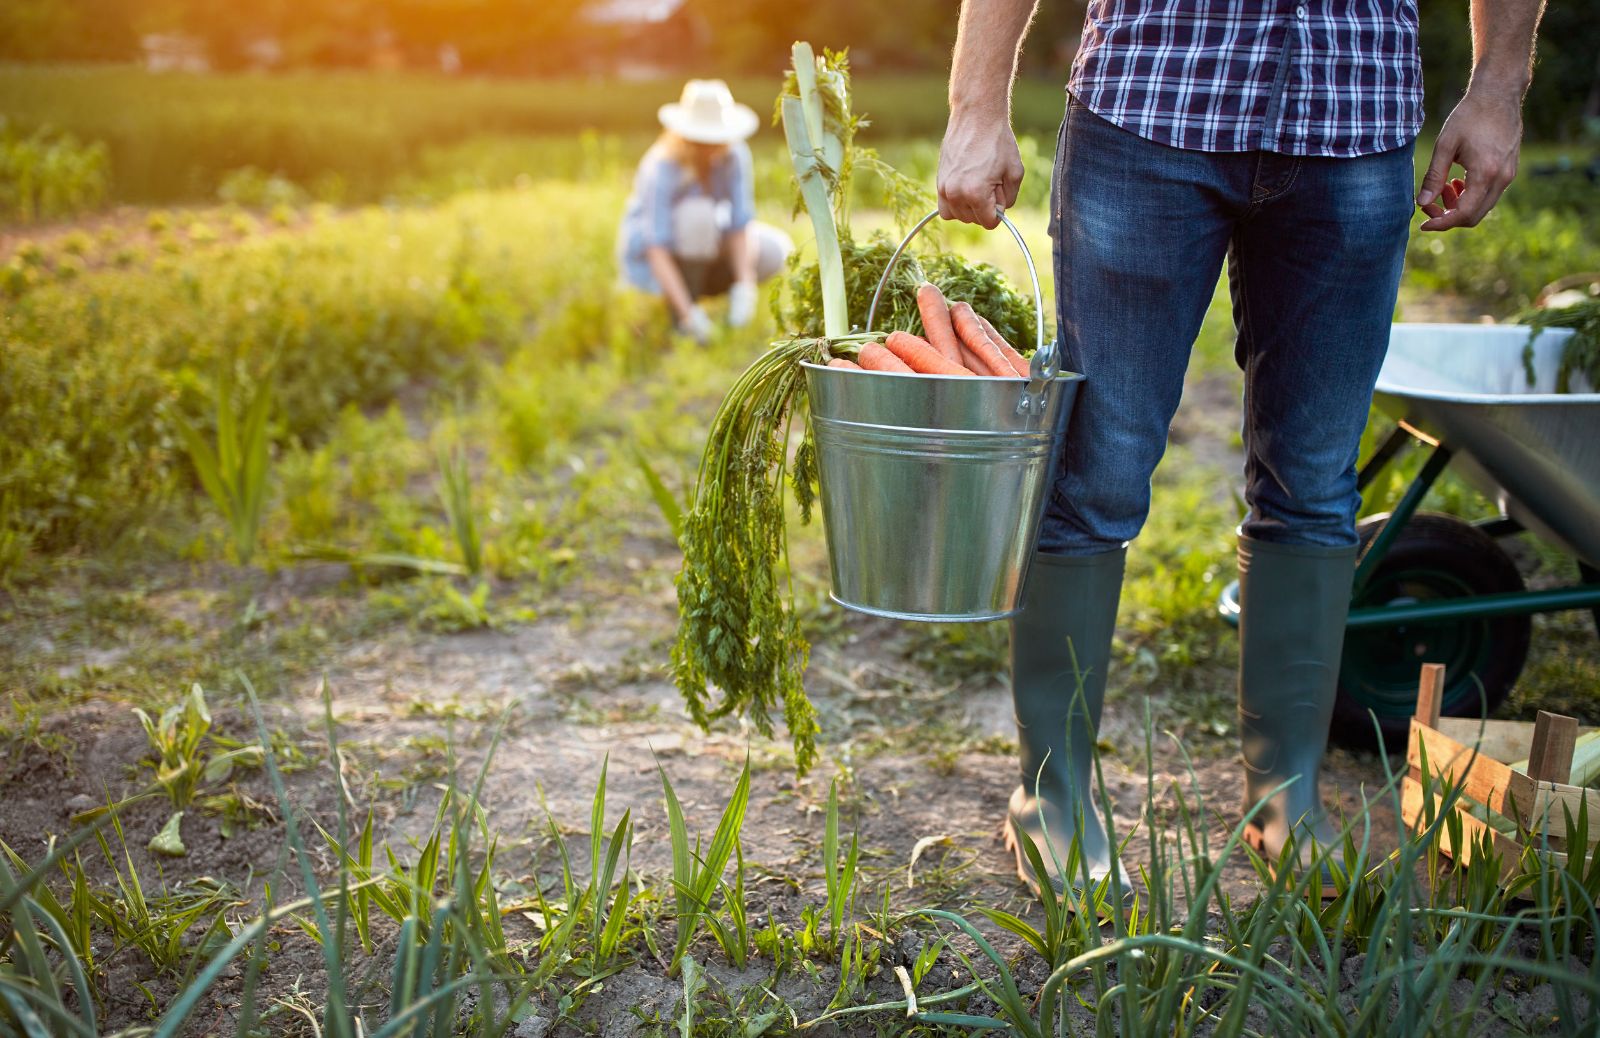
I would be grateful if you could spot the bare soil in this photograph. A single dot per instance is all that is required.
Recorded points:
(925, 762)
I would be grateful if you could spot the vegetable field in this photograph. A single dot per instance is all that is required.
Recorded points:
(341, 504)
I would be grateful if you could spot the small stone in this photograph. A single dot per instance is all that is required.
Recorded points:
(532, 1027)
(80, 803)
(1539, 1005)
(1350, 969)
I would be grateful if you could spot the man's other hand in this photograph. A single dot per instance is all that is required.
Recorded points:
(1482, 136)
(980, 168)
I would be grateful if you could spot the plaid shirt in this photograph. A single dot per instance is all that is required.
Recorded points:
(1299, 77)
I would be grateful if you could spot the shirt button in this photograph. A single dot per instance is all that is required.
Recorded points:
(1300, 12)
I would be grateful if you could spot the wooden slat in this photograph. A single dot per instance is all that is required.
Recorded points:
(1505, 741)
(1533, 805)
(1548, 807)
(1430, 694)
(1481, 777)
(1550, 758)
(1413, 808)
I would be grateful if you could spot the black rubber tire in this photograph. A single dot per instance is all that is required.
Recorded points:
(1435, 557)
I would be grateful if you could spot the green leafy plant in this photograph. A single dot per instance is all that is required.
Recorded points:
(176, 929)
(672, 510)
(46, 175)
(185, 757)
(608, 914)
(839, 874)
(696, 878)
(234, 471)
(455, 493)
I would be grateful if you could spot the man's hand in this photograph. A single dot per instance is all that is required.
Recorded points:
(1482, 136)
(980, 168)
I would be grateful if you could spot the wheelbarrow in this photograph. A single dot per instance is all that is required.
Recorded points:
(1432, 588)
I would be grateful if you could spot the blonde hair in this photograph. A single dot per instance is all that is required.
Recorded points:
(699, 159)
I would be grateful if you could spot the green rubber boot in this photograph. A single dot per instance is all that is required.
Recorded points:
(1293, 600)
(1069, 613)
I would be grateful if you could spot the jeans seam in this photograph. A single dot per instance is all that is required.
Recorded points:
(1248, 327)
(1294, 175)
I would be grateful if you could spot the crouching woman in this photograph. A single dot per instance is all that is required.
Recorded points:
(689, 230)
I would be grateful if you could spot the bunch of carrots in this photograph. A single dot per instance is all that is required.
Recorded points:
(960, 341)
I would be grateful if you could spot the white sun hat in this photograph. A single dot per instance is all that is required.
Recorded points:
(708, 114)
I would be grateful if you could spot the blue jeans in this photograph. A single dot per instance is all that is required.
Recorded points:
(1314, 248)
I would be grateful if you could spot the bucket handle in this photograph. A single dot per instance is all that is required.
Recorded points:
(1045, 364)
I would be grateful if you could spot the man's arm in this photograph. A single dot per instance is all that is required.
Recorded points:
(1484, 132)
(980, 168)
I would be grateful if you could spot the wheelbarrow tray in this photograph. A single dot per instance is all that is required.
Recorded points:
(1532, 450)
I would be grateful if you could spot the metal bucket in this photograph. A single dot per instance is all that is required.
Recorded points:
(933, 485)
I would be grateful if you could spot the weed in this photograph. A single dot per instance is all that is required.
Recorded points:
(48, 176)
(695, 879)
(25, 740)
(185, 757)
(452, 610)
(234, 471)
(839, 875)
(667, 503)
(176, 930)
(455, 492)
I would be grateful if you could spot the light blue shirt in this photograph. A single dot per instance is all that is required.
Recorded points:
(659, 185)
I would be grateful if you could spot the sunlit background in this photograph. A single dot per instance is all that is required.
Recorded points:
(363, 251)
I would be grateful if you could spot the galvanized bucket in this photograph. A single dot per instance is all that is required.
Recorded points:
(933, 485)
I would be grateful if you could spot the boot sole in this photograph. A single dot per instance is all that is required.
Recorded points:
(1257, 841)
(1025, 874)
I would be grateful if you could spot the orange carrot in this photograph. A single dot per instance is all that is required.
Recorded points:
(840, 362)
(973, 362)
(877, 358)
(1018, 361)
(977, 340)
(920, 356)
(935, 313)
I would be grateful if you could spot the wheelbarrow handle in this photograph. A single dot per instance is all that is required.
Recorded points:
(1046, 363)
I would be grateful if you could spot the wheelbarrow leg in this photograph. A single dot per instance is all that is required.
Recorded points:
(1381, 457)
(1404, 509)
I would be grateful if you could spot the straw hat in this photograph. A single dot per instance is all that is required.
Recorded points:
(708, 114)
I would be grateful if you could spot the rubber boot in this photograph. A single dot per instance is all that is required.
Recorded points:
(1069, 613)
(1293, 601)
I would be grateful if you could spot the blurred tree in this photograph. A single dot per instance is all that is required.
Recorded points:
(511, 36)
(550, 37)
(80, 30)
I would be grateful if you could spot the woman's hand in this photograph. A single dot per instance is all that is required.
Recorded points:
(670, 278)
(696, 324)
(741, 303)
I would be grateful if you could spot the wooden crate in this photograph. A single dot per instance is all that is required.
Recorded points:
(1474, 754)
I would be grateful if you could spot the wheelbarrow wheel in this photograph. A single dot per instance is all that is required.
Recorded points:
(1435, 557)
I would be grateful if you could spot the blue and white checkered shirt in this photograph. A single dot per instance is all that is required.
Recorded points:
(1299, 77)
